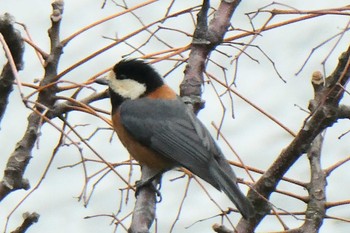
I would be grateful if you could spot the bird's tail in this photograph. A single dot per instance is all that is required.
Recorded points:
(230, 188)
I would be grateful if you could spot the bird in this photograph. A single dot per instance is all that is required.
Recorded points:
(161, 132)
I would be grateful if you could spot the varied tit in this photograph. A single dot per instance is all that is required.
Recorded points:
(162, 133)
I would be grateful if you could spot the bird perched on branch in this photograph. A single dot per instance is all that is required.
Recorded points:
(162, 133)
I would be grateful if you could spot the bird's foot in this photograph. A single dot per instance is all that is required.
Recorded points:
(149, 184)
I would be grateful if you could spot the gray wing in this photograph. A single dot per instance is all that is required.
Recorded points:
(171, 129)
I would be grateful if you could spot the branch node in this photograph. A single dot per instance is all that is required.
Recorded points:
(57, 12)
(317, 81)
(28, 220)
(221, 228)
(195, 101)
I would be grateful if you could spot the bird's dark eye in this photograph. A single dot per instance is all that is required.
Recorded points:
(122, 76)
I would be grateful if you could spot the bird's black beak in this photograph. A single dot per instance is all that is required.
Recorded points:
(102, 80)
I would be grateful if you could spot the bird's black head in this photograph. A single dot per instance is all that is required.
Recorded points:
(134, 78)
(131, 79)
(139, 71)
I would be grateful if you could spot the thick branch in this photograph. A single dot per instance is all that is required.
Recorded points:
(205, 40)
(145, 206)
(29, 219)
(19, 159)
(324, 113)
(14, 41)
(316, 210)
(47, 95)
(344, 112)
(221, 229)
(67, 106)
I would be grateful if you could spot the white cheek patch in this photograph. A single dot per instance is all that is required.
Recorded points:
(127, 88)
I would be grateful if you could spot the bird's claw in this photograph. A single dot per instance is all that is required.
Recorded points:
(142, 184)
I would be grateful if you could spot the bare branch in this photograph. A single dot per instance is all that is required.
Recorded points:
(65, 41)
(145, 206)
(15, 44)
(253, 105)
(221, 229)
(323, 114)
(29, 219)
(19, 159)
(316, 210)
(205, 39)
(344, 112)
